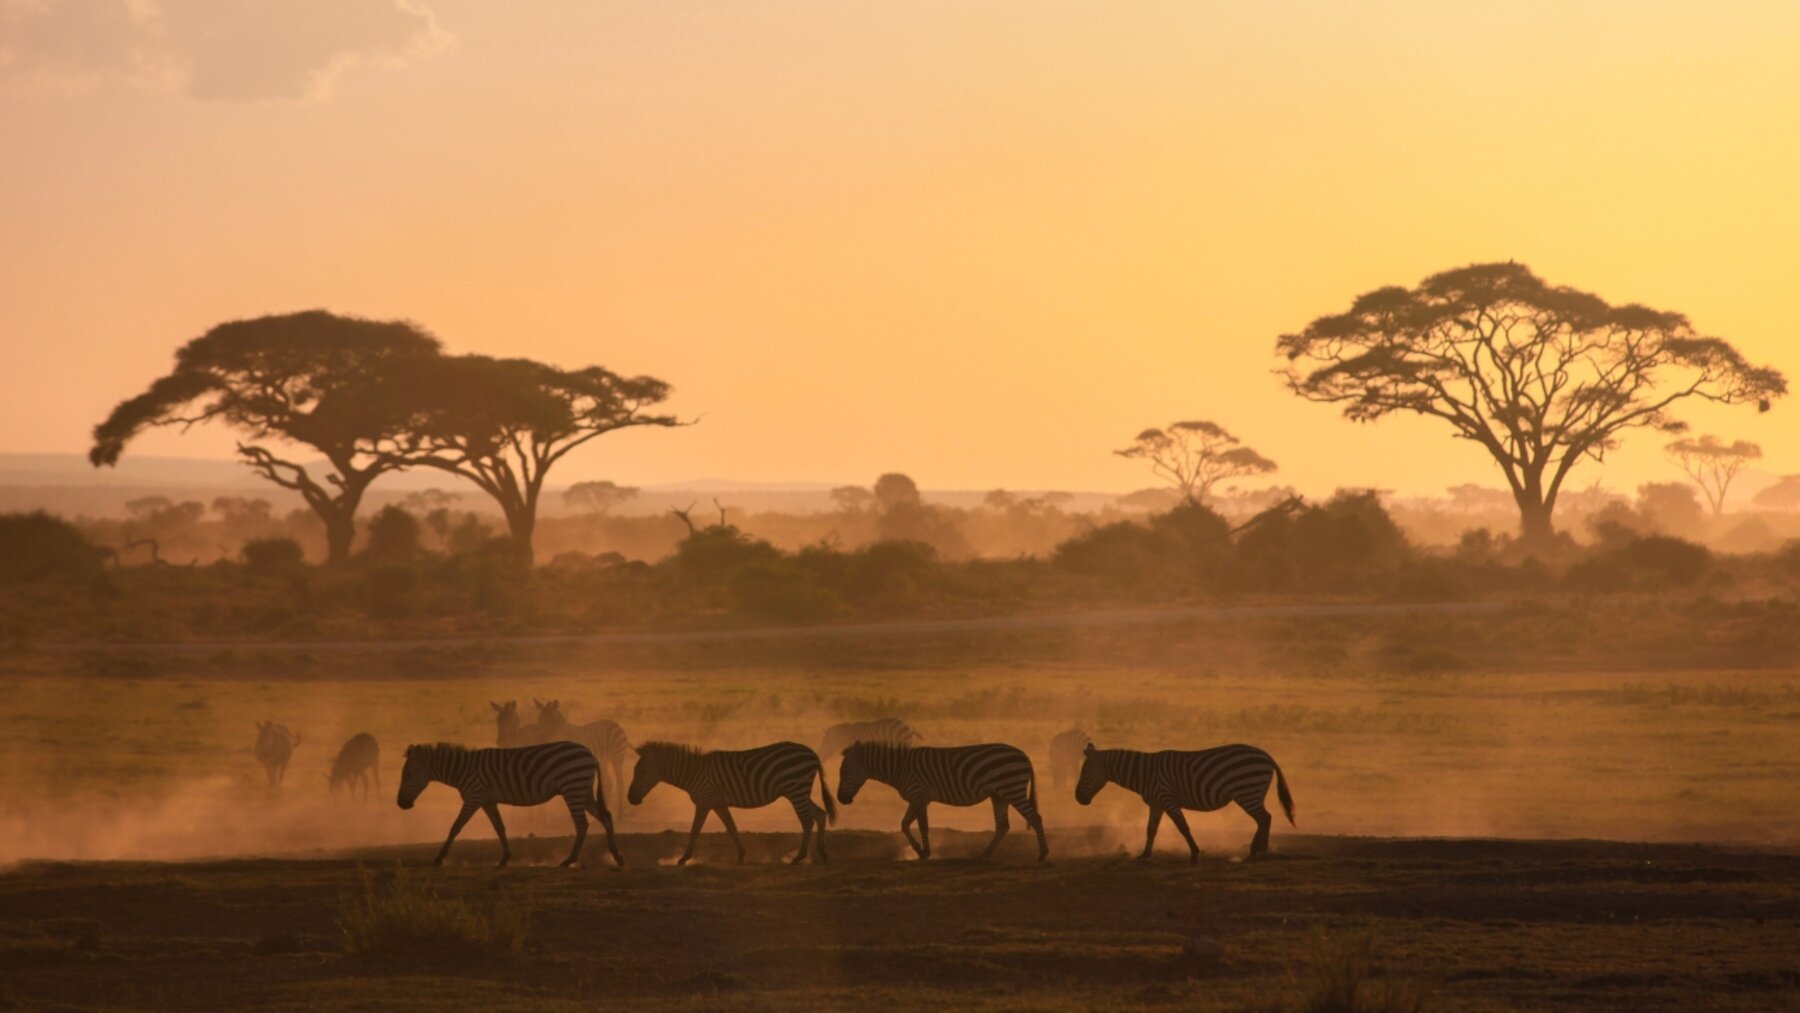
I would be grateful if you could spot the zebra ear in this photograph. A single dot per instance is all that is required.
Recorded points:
(497, 708)
(1089, 751)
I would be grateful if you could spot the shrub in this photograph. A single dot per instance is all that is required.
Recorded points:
(404, 912)
(393, 536)
(780, 591)
(272, 556)
(390, 592)
(1642, 564)
(1343, 977)
(38, 547)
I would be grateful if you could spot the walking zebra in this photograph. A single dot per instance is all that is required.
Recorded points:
(604, 738)
(509, 733)
(954, 775)
(890, 730)
(720, 780)
(356, 762)
(1205, 780)
(528, 775)
(1066, 755)
(275, 745)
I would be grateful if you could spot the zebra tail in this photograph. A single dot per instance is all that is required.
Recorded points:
(825, 789)
(1281, 792)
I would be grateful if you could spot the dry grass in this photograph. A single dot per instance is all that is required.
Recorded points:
(402, 911)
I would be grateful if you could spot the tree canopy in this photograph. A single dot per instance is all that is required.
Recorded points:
(1540, 376)
(1195, 456)
(1713, 464)
(297, 378)
(503, 423)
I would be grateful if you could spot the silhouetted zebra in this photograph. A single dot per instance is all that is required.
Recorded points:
(604, 738)
(528, 775)
(954, 775)
(721, 780)
(1066, 755)
(1206, 779)
(275, 745)
(359, 760)
(889, 730)
(509, 733)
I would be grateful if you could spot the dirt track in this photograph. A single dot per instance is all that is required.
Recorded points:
(1479, 924)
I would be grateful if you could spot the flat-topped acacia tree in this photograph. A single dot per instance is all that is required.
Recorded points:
(503, 423)
(1540, 376)
(303, 379)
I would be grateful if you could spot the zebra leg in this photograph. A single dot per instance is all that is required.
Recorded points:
(1156, 815)
(1001, 825)
(803, 808)
(924, 833)
(578, 813)
(731, 828)
(602, 814)
(819, 821)
(1035, 821)
(493, 815)
(694, 834)
(906, 822)
(468, 810)
(1259, 843)
(1180, 822)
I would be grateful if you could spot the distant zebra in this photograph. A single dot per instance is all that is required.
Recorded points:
(604, 738)
(357, 762)
(720, 780)
(1206, 779)
(1066, 755)
(528, 775)
(954, 775)
(889, 730)
(508, 732)
(275, 745)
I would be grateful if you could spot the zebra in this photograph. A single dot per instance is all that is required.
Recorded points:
(1066, 755)
(604, 738)
(356, 762)
(719, 780)
(1205, 779)
(954, 775)
(890, 730)
(528, 775)
(275, 745)
(509, 733)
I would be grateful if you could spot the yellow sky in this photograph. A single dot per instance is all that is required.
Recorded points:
(983, 243)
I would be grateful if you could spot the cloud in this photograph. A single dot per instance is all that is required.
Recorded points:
(217, 50)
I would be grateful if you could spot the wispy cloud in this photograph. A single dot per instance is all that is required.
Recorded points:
(218, 50)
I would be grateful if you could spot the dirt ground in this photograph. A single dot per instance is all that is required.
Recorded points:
(1475, 924)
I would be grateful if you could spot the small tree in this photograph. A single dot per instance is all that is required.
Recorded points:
(851, 499)
(598, 497)
(503, 423)
(1195, 456)
(1540, 377)
(298, 378)
(1713, 464)
(895, 490)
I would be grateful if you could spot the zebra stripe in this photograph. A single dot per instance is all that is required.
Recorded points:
(1205, 780)
(890, 730)
(529, 775)
(604, 738)
(720, 780)
(955, 775)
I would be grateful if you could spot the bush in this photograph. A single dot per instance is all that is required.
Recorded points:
(780, 591)
(37, 547)
(272, 556)
(1652, 563)
(393, 536)
(404, 912)
(390, 592)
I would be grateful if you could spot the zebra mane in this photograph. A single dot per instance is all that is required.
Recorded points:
(435, 748)
(659, 747)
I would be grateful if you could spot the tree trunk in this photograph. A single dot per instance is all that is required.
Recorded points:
(521, 523)
(1535, 528)
(340, 532)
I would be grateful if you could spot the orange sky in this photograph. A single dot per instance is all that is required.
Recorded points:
(983, 243)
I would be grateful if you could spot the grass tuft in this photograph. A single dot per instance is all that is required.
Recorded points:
(1344, 977)
(405, 912)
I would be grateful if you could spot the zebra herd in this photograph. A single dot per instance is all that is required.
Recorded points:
(522, 772)
(553, 757)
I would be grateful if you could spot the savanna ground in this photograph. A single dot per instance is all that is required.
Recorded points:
(1545, 734)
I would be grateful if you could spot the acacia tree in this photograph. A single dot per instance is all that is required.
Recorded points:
(1540, 376)
(1713, 464)
(503, 423)
(1195, 456)
(598, 497)
(300, 378)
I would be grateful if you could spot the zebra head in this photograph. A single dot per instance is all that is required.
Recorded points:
(506, 716)
(853, 773)
(658, 762)
(1096, 771)
(418, 772)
